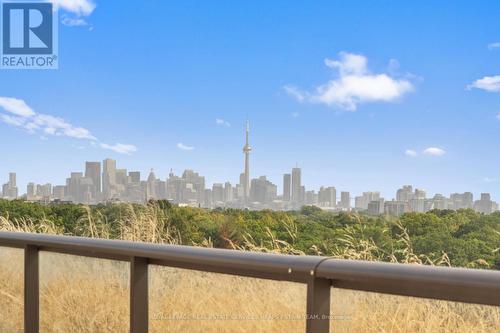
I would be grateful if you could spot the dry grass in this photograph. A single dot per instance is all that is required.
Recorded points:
(91, 295)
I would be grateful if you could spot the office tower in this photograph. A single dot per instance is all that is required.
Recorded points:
(108, 178)
(311, 198)
(376, 207)
(263, 191)
(461, 200)
(59, 192)
(134, 177)
(194, 187)
(296, 186)
(361, 203)
(45, 190)
(302, 196)
(395, 208)
(246, 150)
(417, 205)
(93, 171)
(228, 192)
(174, 187)
(439, 202)
(405, 193)
(485, 205)
(12, 179)
(31, 191)
(420, 194)
(121, 177)
(345, 200)
(207, 198)
(327, 197)
(9, 190)
(217, 194)
(73, 186)
(287, 182)
(151, 189)
(468, 200)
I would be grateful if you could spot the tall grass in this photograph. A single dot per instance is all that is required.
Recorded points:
(91, 295)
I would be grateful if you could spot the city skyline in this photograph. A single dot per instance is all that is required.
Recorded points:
(112, 184)
(423, 109)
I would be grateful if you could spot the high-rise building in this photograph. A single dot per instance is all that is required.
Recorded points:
(228, 192)
(296, 186)
(395, 208)
(287, 182)
(246, 150)
(485, 205)
(9, 190)
(405, 193)
(108, 178)
(31, 191)
(376, 207)
(93, 171)
(217, 194)
(12, 179)
(59, 192)
(134, 177)
(327, 197)
(345, 200)
(152, 188)
(263, 191)
(361, 203)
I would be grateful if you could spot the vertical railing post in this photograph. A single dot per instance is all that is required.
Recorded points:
(318, 306)
(31, 290)
(139, 295)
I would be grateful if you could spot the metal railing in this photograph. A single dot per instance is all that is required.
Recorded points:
(319, 273)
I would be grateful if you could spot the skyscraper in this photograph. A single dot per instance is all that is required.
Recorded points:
(246, 150)
(296, 186)
(345, 200)
(108, 178)
(93, 171)
(9, 190)
(12, 179)
(286, 187)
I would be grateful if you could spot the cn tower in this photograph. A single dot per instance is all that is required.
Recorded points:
(246, 150)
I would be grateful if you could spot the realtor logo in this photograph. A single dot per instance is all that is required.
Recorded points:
(29, 35)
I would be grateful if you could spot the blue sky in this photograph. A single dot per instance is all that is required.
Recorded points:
(347, 90)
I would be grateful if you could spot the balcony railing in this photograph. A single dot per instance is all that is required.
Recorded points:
(319, 273)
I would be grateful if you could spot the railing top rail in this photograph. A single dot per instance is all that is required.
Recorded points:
(455, 284)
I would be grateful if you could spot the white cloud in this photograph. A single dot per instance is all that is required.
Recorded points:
(494, 45)
(355, 85)
(488, 180)
(182, 146)
(11, 120)
(433, 151)
(73, 22)
(411, 152)
(16, 106)
(77, 7)
(120, 148)
(488, 83)
(295, 114)
(498, 116)
(295, 93)
(222, 122)
(22, 116)
(58, 126)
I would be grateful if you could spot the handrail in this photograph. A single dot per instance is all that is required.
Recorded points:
(319, 273)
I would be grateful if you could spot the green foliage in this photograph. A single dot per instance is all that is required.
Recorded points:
(460, 238)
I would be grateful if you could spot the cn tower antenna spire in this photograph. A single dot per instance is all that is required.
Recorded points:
(246, 150)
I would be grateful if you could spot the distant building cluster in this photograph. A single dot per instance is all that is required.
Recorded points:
(409, 200)
(104, 182)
